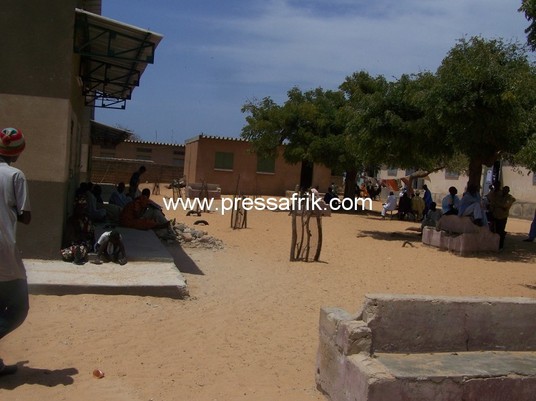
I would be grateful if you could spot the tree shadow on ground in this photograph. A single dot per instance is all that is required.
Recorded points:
(411, 235)
(184, 263)
(42, 377)
(515, 249)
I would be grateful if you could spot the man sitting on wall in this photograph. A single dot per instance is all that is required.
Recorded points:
(470, 205)
(144, 214)
(118, 196)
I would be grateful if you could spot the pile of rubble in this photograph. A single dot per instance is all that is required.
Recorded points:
(193, 238)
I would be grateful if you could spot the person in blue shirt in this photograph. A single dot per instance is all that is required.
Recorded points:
(427, 197)
(471, 205)
(118, 196)
(451, 203)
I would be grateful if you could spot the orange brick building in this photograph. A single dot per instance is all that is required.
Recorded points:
(231, 163)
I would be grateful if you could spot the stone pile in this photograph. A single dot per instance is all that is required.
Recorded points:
(192, 238)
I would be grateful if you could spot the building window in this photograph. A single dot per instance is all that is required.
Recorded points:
(178, 162)
(533, 178)
(224, 161)
(266, 166)
(451, 175)
(104, 153)
(144, 153)
(392, 171)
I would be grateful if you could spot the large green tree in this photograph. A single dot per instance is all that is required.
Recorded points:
(484, 101)
(311, 124)
(391, 123)
(478, 107)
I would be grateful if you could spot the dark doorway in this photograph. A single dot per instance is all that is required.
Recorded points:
(306, 175)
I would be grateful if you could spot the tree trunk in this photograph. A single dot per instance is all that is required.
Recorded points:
(319, 243)
(475, 172)
(349, 184)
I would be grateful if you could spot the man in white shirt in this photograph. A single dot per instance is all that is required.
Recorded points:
(390, 204)
(14, 206)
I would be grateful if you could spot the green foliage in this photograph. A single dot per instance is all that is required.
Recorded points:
(529, 8)
(478, 106)
(485, 99)
(309, 123)
(265, 126)
(389, 120)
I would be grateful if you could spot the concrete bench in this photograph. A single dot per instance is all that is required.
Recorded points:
(461, 236)
(418, 348)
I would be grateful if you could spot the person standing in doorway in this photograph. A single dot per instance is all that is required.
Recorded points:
(14, 206)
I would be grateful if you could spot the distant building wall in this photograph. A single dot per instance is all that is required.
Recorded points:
(231, 163)
(116, 163)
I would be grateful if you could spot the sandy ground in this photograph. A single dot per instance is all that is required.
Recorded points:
(250, 328)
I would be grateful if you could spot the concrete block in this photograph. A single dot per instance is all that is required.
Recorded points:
(512, 387)
(367, 380)
(354, 337)
(406, 323)
(425, 348)
(430, 236)
(330, 319)
(482, 240)
(456, 224)
(463, 376)
(330, 358)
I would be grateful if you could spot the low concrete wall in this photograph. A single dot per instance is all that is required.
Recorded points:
(353, 349)
(444, 324)
(461, 236)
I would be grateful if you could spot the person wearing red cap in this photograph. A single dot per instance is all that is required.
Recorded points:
(14, 206)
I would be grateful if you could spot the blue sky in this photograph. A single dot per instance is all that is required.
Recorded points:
(218, 54)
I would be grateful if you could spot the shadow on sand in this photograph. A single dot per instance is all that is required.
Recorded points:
(515, 250)
(42, 377)
(181, 259)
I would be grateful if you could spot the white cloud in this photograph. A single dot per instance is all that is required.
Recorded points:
(213, 59)
(290, 43)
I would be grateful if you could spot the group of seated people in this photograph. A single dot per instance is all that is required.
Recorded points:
(368, 190)
(89, 209)
(471, 204)
(411, 207)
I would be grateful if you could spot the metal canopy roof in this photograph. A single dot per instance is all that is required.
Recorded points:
(114, 56)
(102, 134)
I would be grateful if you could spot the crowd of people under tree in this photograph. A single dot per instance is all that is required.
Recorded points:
(490, 211)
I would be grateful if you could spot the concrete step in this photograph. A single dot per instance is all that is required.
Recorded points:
(462, 365)
(140, 245)
(468, 376)
(150, 271)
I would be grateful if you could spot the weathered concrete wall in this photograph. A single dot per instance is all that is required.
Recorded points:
(435, 324)
(461, 236)
(421, 333)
